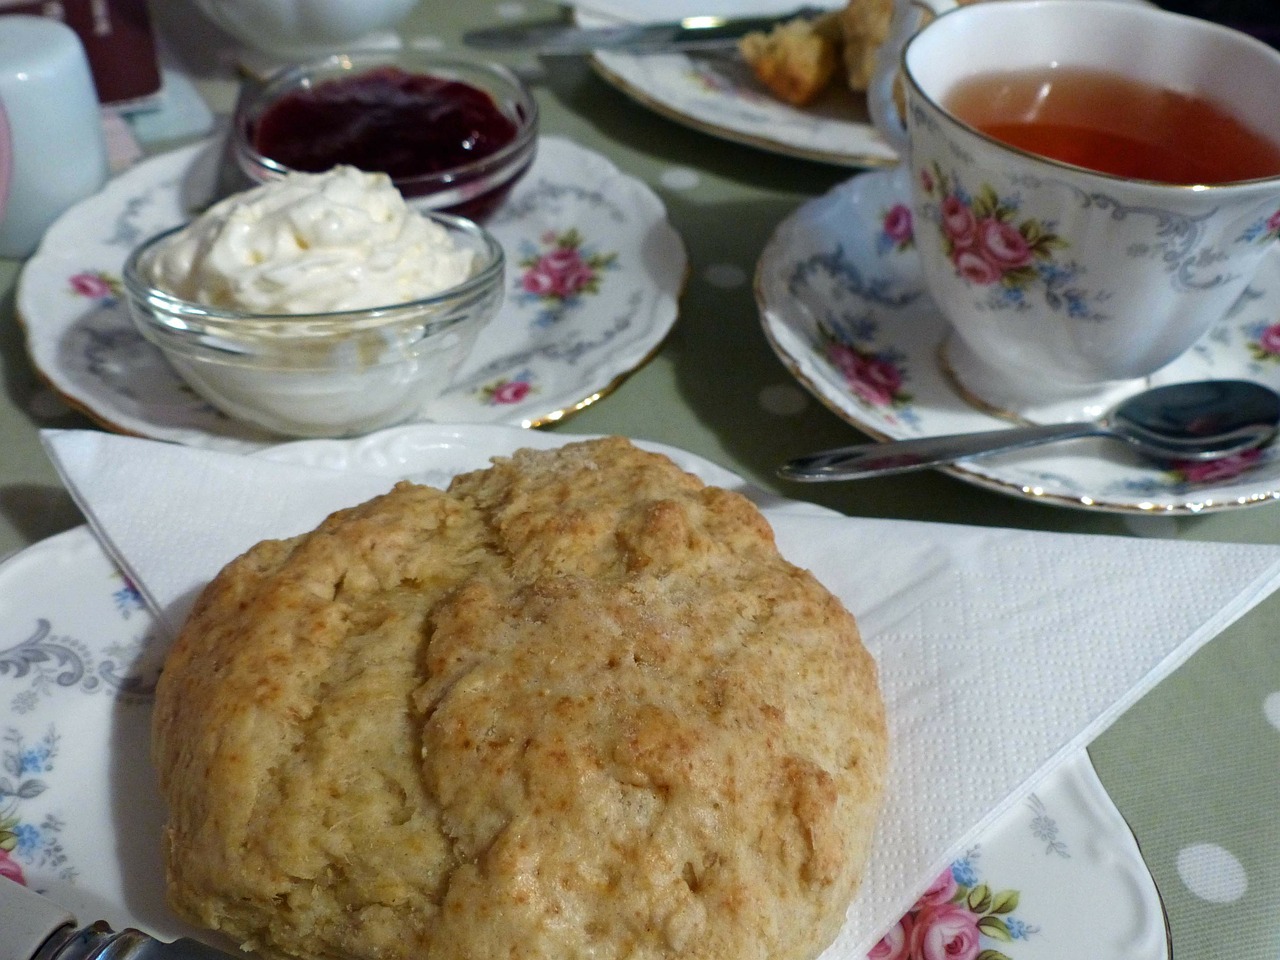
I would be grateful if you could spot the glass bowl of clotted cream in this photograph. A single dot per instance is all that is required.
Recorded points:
(317, 305)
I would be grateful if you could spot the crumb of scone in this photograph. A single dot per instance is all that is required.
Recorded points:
(794, 60)
(864, 27)
(798, 60)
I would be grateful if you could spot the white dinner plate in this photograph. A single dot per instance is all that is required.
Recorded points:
(80, 816)
(555, 346)
(844, 306)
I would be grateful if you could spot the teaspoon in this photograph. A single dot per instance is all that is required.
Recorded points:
(1201, 420)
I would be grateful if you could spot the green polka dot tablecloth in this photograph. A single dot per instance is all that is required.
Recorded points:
(1191, 768)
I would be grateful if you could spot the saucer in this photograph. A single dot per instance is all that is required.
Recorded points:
(549, 351)
(843, 305)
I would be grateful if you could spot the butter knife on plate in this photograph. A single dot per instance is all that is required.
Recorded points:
(556, 38)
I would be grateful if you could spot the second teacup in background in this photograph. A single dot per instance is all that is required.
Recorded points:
(1094, 183)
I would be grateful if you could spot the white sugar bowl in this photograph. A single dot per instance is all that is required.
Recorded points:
(292, 28)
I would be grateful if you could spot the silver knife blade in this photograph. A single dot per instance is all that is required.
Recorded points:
(135, 945)
(691, 33)
(36, 928)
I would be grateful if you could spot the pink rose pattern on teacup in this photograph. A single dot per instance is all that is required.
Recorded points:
(1265, 345)
(991, 246)
(1215, 471)
(952, 919)
(95, 285)
(707, 79)
(1264, 230)
(561, 273)
(10, 867)
(896, 230)
(509, 390)
(876, 378)
(983, 241)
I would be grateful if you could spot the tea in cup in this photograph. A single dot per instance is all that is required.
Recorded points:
(1093, 183)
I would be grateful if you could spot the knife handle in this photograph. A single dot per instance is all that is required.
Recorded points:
(33, 927)
(29, 921)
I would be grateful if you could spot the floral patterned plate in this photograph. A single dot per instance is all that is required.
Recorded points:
(843, 304)
(715, 92)
(80, 816)
(1020, 891)
(593, 275)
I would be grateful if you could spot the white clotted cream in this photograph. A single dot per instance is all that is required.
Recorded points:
(311, 243)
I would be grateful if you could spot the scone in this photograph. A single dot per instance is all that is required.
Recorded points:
(575, 706)
(864, 27)
(795, 60)
(800, 58)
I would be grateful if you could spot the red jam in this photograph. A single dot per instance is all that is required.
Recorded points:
(404, 124)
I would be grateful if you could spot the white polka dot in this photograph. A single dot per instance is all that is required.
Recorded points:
(726, 276)
(680, 178)
(1212, 873)
(510, 11)
(1271, 709)
(783, 400)
(429, 44)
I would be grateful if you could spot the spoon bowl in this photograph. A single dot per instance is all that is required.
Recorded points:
(1197, 420)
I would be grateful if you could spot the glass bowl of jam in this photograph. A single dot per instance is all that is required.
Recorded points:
(453, 135)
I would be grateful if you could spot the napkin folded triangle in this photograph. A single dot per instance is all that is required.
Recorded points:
(1001, 652)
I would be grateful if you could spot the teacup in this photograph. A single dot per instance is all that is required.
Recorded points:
(1058, 280)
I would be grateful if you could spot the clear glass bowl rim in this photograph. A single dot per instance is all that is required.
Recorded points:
(253, 101)
(173, 314)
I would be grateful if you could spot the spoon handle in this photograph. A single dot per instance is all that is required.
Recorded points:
(899, 456)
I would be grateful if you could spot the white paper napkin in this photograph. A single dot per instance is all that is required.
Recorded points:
(171, 520)
(1001, 652)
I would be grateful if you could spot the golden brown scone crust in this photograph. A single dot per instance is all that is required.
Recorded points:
(794, 60)
(577, 706)
(865, 27)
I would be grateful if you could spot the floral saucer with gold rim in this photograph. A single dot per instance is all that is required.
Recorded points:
(843, 305)
(715, 92)
(594, 272)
